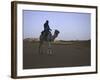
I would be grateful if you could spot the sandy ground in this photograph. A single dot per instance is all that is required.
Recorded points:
(69, 54)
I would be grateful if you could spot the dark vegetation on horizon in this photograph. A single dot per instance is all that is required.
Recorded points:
(37, 40)
(58, 42)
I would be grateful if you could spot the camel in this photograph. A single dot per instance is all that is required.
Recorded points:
(46, 41)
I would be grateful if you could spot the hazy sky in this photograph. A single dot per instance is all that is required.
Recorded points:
(72, 26)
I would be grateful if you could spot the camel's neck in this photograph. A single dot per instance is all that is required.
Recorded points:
(54, 36)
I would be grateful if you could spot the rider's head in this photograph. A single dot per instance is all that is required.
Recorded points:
(47, 21)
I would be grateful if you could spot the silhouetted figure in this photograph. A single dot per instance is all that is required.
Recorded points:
(46, 28)
(46, 36)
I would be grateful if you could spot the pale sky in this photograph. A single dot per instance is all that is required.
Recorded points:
(72, 26)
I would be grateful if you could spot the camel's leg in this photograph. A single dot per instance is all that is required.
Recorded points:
(49, 48)
(40, 47)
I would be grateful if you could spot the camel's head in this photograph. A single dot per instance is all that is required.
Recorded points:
(57, 32)
(55, 35)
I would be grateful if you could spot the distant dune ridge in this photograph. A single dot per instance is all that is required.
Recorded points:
(31, 39)
(37, 39)
(58, 41)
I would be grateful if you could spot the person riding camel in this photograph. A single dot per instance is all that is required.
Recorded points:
(46, 28)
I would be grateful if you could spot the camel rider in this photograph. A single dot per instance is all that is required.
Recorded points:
(46, 28)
